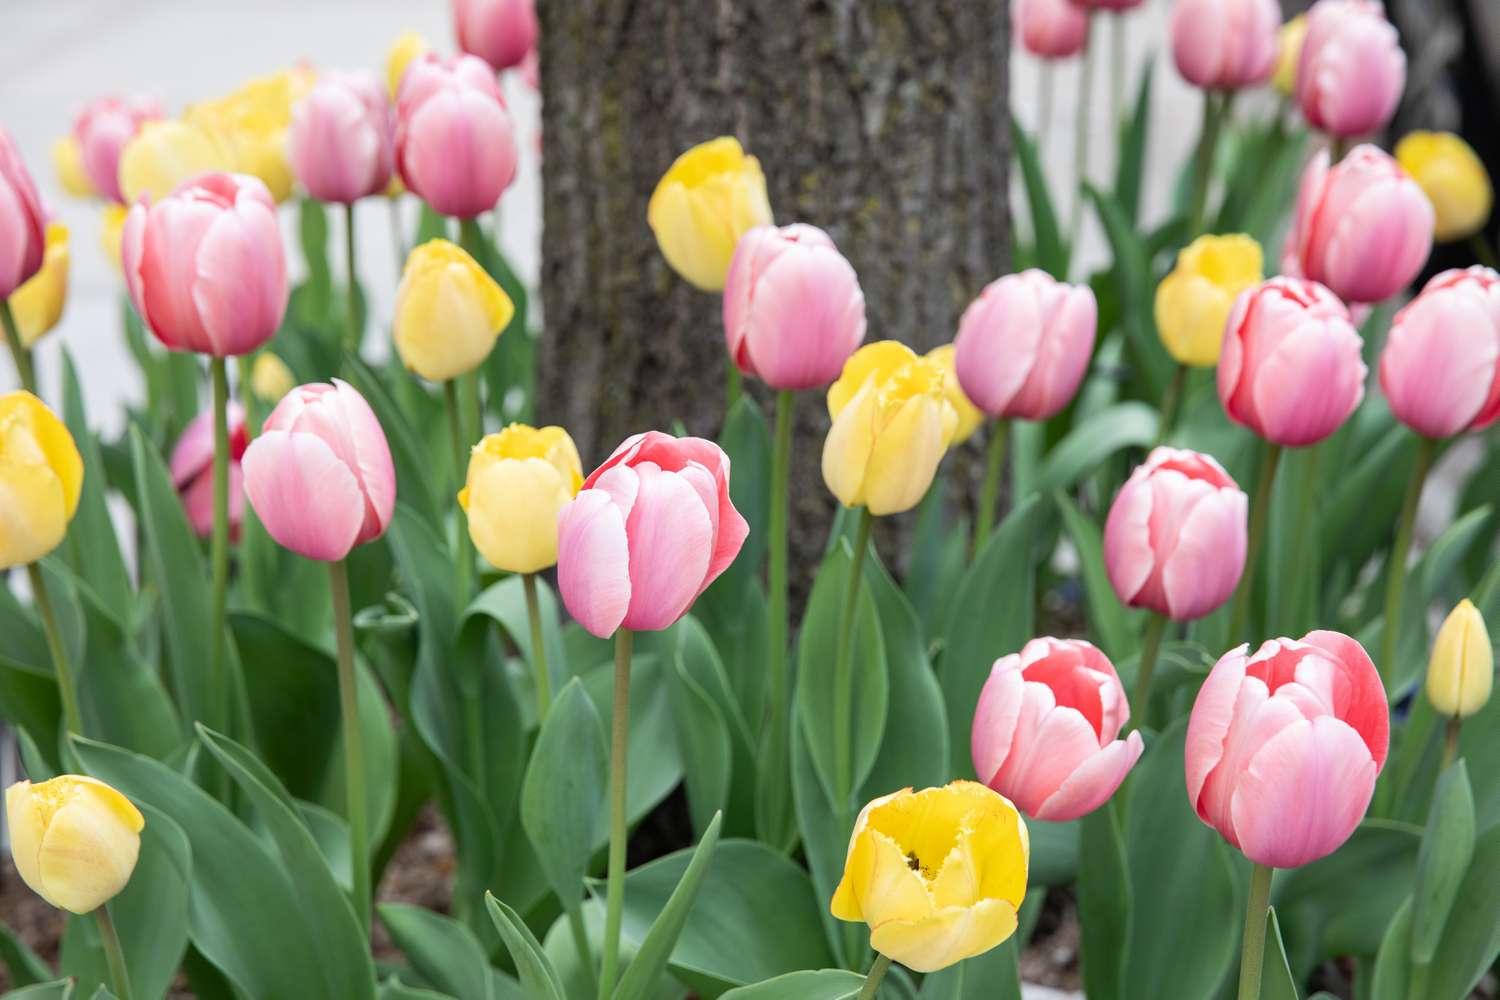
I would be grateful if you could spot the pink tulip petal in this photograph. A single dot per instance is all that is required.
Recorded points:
(1091, 785)
(670, 538)
(1361, 700)
(593, 562)
(307, 498)
(1206, 564)
(995, 717)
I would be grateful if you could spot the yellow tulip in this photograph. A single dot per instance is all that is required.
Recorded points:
(449, 312)
(969, 415)
(41, 474)
(110, 232)
(1292, 34)
(251, 125)
(1454, 180)
(165, 153)
(518, 480)
(703, 205)
(892, 422)
(38, 304)
(67, 161)
(408, 46)
(75, 840)
(937, 874)
(270, 378)
(1194, 300)
(1462, 669)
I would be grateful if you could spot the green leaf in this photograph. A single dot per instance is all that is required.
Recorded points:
(446, 954)
(1051, 252)
(746, 439)
(538, 978)
(1393, 970)
(92, 548)
(655, 767)
(562, 796)
(29, 700)
(1104, 901)
(994, 975)
(505, 603)
(651, 958)
(1471, 938)
(1276, 982)
(24, 966)
(1132, 159)
(1356, 890)
(704, 738)
(825, 842)
(61, 989)
(414, 479)
(1136, 288)
(395, 989)
(1447, 846)
(1115, 627)
(824, 984)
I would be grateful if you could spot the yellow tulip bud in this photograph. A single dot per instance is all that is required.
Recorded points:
(110, 232)
(1462, 669)
(165, 153)
(67, 161)
(1292, 34)
(38, 304)
(75, 840)
(41, 474)
(703, 205)
(969, 415)
(1454, 180)
(270, 378)
(937, 874)
(518, 480)
(449, 312)
(892, 422)
(1194, 300)
(408, 46)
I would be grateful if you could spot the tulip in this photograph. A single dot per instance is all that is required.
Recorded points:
(407, 47)
(23, 237)
(252, 122)
(1050, 29)
(449, 312)
(111, 232)
(519, 480)
(500, 32)
(1225, 44)
(1454, 180)
(38, 304)
(711, 196)
(67, 162)
(166, 154)
(1363, 227)
(455, 141)
(937, 874)
(192, 470)
(74, 839)
(320, 475)
(1114, 6)
(341, 140)
(41, 476)
(1440, 368)
(270, 378)
(102, 131)
(793, 308)
(969, 415)
(1193, 301)
(1462, 669)
(1290, 39)
(1351, 70)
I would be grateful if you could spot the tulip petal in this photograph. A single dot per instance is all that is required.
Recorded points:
(906, 454)
(947, 937)
(305, 496)
(1206, 564)
(1209, 722)
(995, 717)
(883, 882)
(239, 284)
(1095, 780)
(1361, 700)
(670, 538)
(848, 446)
(593, 562)
(1129, 559)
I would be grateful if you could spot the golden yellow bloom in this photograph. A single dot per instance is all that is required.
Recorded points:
(892, 422)
(38, 304)
(270, 378)
(937, 874)
(969, 415)
(519, 479)
(407, 46)
(449, 312)
(1462, 669)
(1194, 300)
(251, 124)
(1454, 180)
(110, 232)
(41, 474)
(1292, 34)
(703, 205)
(165, 153)
(67, 161)
(75, 840)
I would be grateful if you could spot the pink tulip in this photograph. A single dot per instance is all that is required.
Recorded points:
(1175, 538)
(1024, 344)
(500, 32)
(320, 476)
(1046, 729)
(1115, 6)
(651, 529)
(342, 139)
(1363, 227)
(193, 470)
(205, 267)
(1226, 44)
(103, 129)
(793, 309)
(23, 223)
(1050, 29)
(1440, 368)
(455, 141)
(1351, 70)
(1283, 747)
(1291, 369)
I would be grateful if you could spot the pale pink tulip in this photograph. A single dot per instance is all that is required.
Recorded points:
(102, 130)
(455, 140)
(23, 223)
(651, 529)
(193, 470)
(1351, 70)
(1283, 747)
(342, 138)
(1050, 29)
(1226, 44)
(1046, 730)
(500, 32)
(320, 476)
(1440, 369)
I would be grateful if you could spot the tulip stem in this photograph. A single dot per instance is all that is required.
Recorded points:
(873, 978)
(843, 673)
(1253, 950)
(1450, 741)
(354, 757)
(353, 329)
(1396, 563)
(119, 975)
(1483, 251)
(219, 544)
(732, 386)
(538, 649)
(994, 467)
(71, 715)
(1262, 503)
(462, 561)
(1203, 165)
(18, 351)
(1081, 135)
(619, 749)
(1156, 625)
(1169, 404)
(774, 757)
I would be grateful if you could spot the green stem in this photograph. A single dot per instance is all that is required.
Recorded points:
(619, 749)
(462, 559)
(994, 468)
(69, 693)
(538, 649)
(1253, 950)
(843, 674)
(353, 333)
(219, 545)
(1258, 511)
(1081, 135)
(579, 932)
(354, 757)
(18, 352)
(1450, 741)
(119, 975)
(776, 578)
(733, 385)
(1396, 563)
(1169, 404)
(873, 978)
(1203, 164)
(1156, 625)
(1483, 252)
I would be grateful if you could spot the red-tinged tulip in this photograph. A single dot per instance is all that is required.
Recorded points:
(1024, 344)
(652, 527)
(205, 266)
(1440, 369)
(793, 308)
(1283, 746)
(1046, 730)
(320, 475)
(1351, 70)
(192, 469)
(23, 223)
(500, 32)
(455, 140)
(1226, 44)
(342, 138)
(103, 129)
(1291, 368)
(1175, 538)
(1050, 29)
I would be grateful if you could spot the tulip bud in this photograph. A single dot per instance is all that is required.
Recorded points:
(23, 237)
(408, 46)
(500, 32)
(1462, 669)
(67, 162)
(519, 480)
(103, 130)
(969, 415)
(455, 140)
(938, 874)
(74, 840)
(449, 312)
(41, 475)
(1454, 180)
(270, 378)
(1440, 368)
(711, 196)
(1225, 44)
(166, 154)
(1351, 70)
(1293, 32)
(1050, 29)
(192, 468)
(341, 140)
(38, 304)
(1193, 301)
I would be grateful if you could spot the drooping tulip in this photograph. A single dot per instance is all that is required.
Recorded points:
(1454, 179)
(1225, 44)
(41, 477)
(455, 140)
(23, 233)
(1461, 672)
(192, 468)
(970, 417)
(1351, 70)
(710, 197)
(38, 304)
(74, 839)
(500, 32)
(1050, 29)
(342, 138)
(163, 155)
(519, 480)
(1440, 368)
(1194, 299)
(103, 129)
(449, 312)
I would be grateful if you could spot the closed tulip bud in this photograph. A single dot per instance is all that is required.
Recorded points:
(892, 423)
(793, 308)
(342, 138)
(1193, 301)
(1291, 369)
(320, 475)
(1462, 669)
(41, 475)
(192, 469)
(449, 312)
(651, 529)
(1292, 34)
(111, 232)
(23, 226)
(500, 32)
(455, 140)
(1351, 69)
(519, 480)
(938, 874)
(710, 197)
(38, 304)
(1283, 746)
(1050, 29)
(102, 131)
(1453, 178)
(166, 154)
(67, 163)
(969, 415)
(407, 47)
(270, 378)
(74, 840)
(1440, 368)
(1225, 44)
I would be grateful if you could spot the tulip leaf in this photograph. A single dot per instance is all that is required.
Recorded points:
(1130, 167)
(1104, 901)
(1276, 981)
(938, 556)
(1447, 846)
(23, 966)
(825, 842)
(505, 603)
(29, 700)
(60, 989)
(1393, 968)
(1114, 627)
(395, 989)
(994, 975)
(747, 441)
(1123, 425)
(1051, 250)
(656, 947)
(1356, 890)
(91, 547)
(446, 954)
(1471, 937)
(1136, 287)
(538, 978)
(823, 984)
(703, 736)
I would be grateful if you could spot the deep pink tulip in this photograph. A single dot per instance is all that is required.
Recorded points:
(500, 32)
(1291, 369)
(320, 476)
(1225, 44)
(455, 140)
(342, 139)
(1440, 368)
(1283, 747)
(1046, 730)
(1050, 29)
(793, 309)
(1024, 344)
(652, 527)
(1363, 226)
(205, 266)
(193, 470)
(1351, 70)
(103, 129)
(1175, 538)
(23, 223)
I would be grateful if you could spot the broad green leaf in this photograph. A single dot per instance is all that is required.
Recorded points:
(1123, 425)
(1051, 251)
(1393, 969)
(1104, 901)
(704, 738)
(825, 842)
(395, 989)
(538, 978)
(1447, 846)
(92, 548)
(505, 603)
(1115, 628)
(24, 966)
(446, 954)
(580, 980)
(1137, 288)
(655, 763)
(1356, 890)
(824, 984)
(1471, 938)
(746, 439)
(29, 700)
(61, 989)
(1130, 168)
(651, 958)
(994, 975)
(562, 797)
(1276, 982)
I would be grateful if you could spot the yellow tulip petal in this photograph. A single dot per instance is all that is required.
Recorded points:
(27, 827)
(947, 937)
(879, 360)
(883, 883)
(703, 204)
(38, 304)
(449, 312)
(1461, 671)
(75, 840)
(1454, 179)
(512, 508)
(906, 454)
(21, 410)
(67, 160)
(847, 449)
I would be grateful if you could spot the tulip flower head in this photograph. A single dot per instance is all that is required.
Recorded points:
(449, 312)
(111, 232)
(1050, 29)
(710, 197)
(270, 378)
(67, 163)
(1440, 368)
(969, 416)
(455, 140)
(937, 874)
(192, 469)
(164, 155)
(407, 47)
(1453, 177)
(23, 232)
(342, 138)
(1226, 44)
(1461, 672)
(1193, 301)
(1351, 70)
(251, 124)
(102, 131)
(519, 480)
(38, 304)
(1290, 39)
(500, 32)
(74, 840)
(41, 476)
